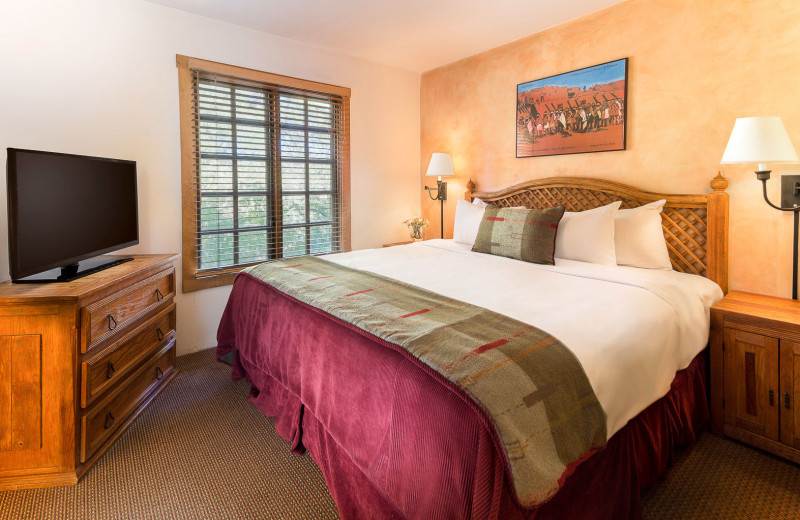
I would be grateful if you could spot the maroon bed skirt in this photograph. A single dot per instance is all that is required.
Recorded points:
(394, 442)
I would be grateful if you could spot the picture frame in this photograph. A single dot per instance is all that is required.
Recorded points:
(580, 111)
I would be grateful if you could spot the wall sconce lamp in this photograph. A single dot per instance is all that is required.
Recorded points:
(440, 166)
(762, 140)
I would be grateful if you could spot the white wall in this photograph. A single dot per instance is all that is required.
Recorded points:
(98, 77)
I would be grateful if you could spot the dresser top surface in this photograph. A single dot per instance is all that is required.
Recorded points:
(82, 287)
(757, 305)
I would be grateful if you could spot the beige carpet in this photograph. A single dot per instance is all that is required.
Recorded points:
(201, 451)
(721, 479)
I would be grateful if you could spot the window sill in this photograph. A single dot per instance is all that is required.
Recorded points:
(195, 283)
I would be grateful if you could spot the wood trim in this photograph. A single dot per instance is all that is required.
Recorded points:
(230, 270)
(188, 238)
(190, 283)
(795, 396)
(717, 229)
(763, 443)
(716, 367)
(39, 480)
(787, 386)
(758, 325)
(729, 376)
(191, 279)
(696, 229)
(770, 310)
(15, 298)
(190, 64)
(344, 208)
(589, 183)
(750, 386)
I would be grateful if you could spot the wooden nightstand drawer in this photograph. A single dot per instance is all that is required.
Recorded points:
(109, 316)
(112, 364)
(101, 422)
(751, 382)
(790, 394)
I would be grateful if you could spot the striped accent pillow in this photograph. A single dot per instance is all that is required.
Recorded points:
(523, 234)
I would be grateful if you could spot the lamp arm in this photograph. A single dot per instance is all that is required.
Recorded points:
(429, 190)
(764, 185)
(763, 176)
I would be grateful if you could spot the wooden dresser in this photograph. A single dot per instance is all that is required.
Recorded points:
(79, 361)
(755, 372)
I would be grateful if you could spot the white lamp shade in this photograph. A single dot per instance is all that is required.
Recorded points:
(759, 140)
(440, 165)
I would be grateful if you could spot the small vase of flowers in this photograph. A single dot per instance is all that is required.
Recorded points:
(416, 227)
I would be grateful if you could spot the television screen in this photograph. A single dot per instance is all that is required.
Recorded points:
(66, 208)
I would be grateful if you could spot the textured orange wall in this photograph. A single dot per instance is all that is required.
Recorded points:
(694, 67)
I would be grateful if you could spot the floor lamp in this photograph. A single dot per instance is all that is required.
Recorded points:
(762, 140)
(440, 166)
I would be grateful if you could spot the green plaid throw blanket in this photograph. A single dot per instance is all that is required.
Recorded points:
(534, 389)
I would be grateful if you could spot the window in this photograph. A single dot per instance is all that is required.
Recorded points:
(265, 169)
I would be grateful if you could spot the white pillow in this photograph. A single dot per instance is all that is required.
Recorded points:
(588, 236)
(467, 221)
(478, 202)
(639, 238)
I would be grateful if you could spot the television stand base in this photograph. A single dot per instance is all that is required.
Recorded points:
(68, 273)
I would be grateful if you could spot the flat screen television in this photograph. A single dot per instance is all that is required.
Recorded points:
(64, 210)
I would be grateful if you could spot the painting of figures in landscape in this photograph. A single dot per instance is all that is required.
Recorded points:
(575, 112)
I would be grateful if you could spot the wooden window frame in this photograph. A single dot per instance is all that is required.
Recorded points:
(186, 64)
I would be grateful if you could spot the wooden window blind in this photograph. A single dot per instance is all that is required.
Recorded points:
(265, 163)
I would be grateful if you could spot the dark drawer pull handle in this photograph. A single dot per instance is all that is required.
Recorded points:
(786, 400)
(159, 295)
(771, 397)
(112, 323)
(110, 370)
(159, 373)
(109, 422)
(159, 333)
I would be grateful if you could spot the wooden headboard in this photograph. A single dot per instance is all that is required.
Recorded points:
(695, 226)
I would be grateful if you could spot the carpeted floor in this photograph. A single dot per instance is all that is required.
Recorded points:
(201, 451)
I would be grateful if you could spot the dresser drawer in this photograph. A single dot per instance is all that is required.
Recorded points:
(108, 416)
(112, 364)
(109, 316)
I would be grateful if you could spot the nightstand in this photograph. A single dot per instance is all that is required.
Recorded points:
(398, 243)
(755, 372)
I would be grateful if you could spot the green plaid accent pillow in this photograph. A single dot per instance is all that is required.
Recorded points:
(523, 234)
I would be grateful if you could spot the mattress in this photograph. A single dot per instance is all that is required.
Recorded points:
(632, 329)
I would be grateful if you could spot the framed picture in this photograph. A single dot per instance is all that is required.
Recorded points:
(576, 112)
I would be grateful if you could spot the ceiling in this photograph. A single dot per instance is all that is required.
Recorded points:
(416, 35)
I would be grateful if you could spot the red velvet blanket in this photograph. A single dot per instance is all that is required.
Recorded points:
(393, 441)
(530, 388)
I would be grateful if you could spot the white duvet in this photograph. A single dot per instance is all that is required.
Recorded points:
(632, 329)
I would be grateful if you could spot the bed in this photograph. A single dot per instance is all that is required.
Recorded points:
(395, 440)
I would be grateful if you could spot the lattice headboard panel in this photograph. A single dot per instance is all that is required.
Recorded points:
(685, 218)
